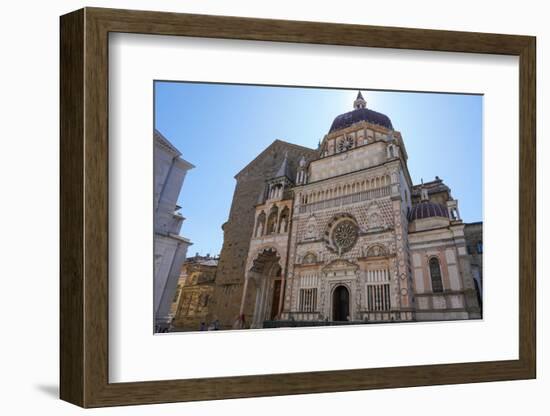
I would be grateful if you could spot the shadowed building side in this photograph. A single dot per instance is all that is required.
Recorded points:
(473, 233)
(170, 248)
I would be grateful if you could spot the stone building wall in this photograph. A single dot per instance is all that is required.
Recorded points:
(193, 307)
(446, 243)
(196, 286)
(238, 229)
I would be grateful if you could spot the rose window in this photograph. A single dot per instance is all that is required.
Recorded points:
(344, 235)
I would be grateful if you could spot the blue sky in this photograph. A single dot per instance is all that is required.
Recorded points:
(220, 128)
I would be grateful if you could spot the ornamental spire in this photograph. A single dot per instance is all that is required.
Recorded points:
(283, 169)
(359, 102)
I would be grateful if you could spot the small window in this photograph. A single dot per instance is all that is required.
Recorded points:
(378, 297)
(479, 247)
(308, 300)
(435, 273)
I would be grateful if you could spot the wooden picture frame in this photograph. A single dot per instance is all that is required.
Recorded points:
(84, 207)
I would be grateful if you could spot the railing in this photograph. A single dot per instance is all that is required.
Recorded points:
(301, 324)
(302, 316)
(374, 318)
(300, 319)
(346, 199)
(388, 316)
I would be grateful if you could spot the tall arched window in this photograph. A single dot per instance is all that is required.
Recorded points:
(435, 273)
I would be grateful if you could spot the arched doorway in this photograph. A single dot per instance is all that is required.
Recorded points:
(264, 283)
(340, 304)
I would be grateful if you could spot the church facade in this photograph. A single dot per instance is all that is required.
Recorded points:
(340, 234)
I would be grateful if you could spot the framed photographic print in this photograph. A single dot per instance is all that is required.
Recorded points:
(256, 207)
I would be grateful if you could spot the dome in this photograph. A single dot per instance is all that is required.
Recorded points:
(360, 114)
(427, 209)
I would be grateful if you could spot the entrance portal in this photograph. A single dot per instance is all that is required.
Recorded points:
(266, 276)
(340, 304)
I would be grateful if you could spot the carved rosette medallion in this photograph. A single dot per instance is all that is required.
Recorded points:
(341, 233)
(344, 235)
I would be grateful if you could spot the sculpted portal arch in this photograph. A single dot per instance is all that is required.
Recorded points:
(340, 286)
(263, 281)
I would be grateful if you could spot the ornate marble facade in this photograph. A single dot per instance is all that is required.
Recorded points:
(345, 236)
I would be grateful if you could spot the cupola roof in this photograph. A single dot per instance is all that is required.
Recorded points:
(428, 209)
(358, 114)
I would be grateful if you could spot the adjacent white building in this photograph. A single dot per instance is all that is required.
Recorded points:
(170, 248)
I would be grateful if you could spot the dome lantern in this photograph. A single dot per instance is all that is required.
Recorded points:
(359, 102)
